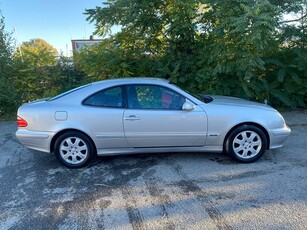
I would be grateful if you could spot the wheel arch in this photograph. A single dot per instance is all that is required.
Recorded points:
(247, 123)
(56, 136)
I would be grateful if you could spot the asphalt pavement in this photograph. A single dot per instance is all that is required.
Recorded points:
(155, 191)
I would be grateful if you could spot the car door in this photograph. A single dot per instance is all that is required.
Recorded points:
(104, 111)
(154, 118)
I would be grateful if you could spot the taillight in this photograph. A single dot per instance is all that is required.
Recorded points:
(21, 122)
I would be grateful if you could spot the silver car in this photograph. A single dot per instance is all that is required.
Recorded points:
(145, 115)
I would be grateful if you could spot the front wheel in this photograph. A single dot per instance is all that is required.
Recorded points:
(74, 149)
(246, 143)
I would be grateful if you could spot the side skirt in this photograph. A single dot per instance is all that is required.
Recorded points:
(123, 151)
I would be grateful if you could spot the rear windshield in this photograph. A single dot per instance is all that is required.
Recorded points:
(68, 92)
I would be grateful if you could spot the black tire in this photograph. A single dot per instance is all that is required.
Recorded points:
(246, 144)
(74, 149)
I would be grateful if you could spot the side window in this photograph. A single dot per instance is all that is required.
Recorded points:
(153, 97)
(111, 97)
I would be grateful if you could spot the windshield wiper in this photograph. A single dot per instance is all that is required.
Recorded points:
(206, 98)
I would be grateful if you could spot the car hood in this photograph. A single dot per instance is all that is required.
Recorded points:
(234, 101)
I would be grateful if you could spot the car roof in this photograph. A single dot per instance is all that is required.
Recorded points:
(83, 92)
(132, 80)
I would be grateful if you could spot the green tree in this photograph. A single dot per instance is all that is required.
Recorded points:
(34, 61)
(37, 52)
(285, 81)
(157, 38)
(8, 97)
(111, 59)
(65, 75)
(235, 47)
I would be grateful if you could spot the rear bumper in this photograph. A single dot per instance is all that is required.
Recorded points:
(36, 140)
(278, 136)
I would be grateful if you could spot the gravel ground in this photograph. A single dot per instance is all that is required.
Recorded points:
(155, 191)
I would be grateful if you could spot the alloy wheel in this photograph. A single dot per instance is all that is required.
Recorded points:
(73, 150)
(247, 144)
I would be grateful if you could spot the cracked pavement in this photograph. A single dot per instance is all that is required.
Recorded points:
(155, 191)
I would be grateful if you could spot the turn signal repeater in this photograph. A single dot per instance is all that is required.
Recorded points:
(21, 122)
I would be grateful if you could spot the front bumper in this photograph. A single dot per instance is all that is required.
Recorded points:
(278, 136)
(36, 140)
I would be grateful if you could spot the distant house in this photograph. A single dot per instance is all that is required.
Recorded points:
(79, 44)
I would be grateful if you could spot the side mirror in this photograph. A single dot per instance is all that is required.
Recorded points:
(187, 106)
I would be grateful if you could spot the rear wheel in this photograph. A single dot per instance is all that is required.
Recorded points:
(246, 143)
(74, 149)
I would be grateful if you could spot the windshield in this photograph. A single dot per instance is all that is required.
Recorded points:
(201, 97)
(68, 92)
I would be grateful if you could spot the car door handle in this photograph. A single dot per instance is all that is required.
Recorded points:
(131, 118)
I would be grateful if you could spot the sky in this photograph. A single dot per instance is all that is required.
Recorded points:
(55, 21)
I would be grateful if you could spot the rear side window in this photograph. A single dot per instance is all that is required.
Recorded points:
(112, 97)
(68, 92)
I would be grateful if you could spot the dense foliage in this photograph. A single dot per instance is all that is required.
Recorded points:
(7, 90)
(41, 73)
(32, 71)
(244, 48)
(239, 47)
